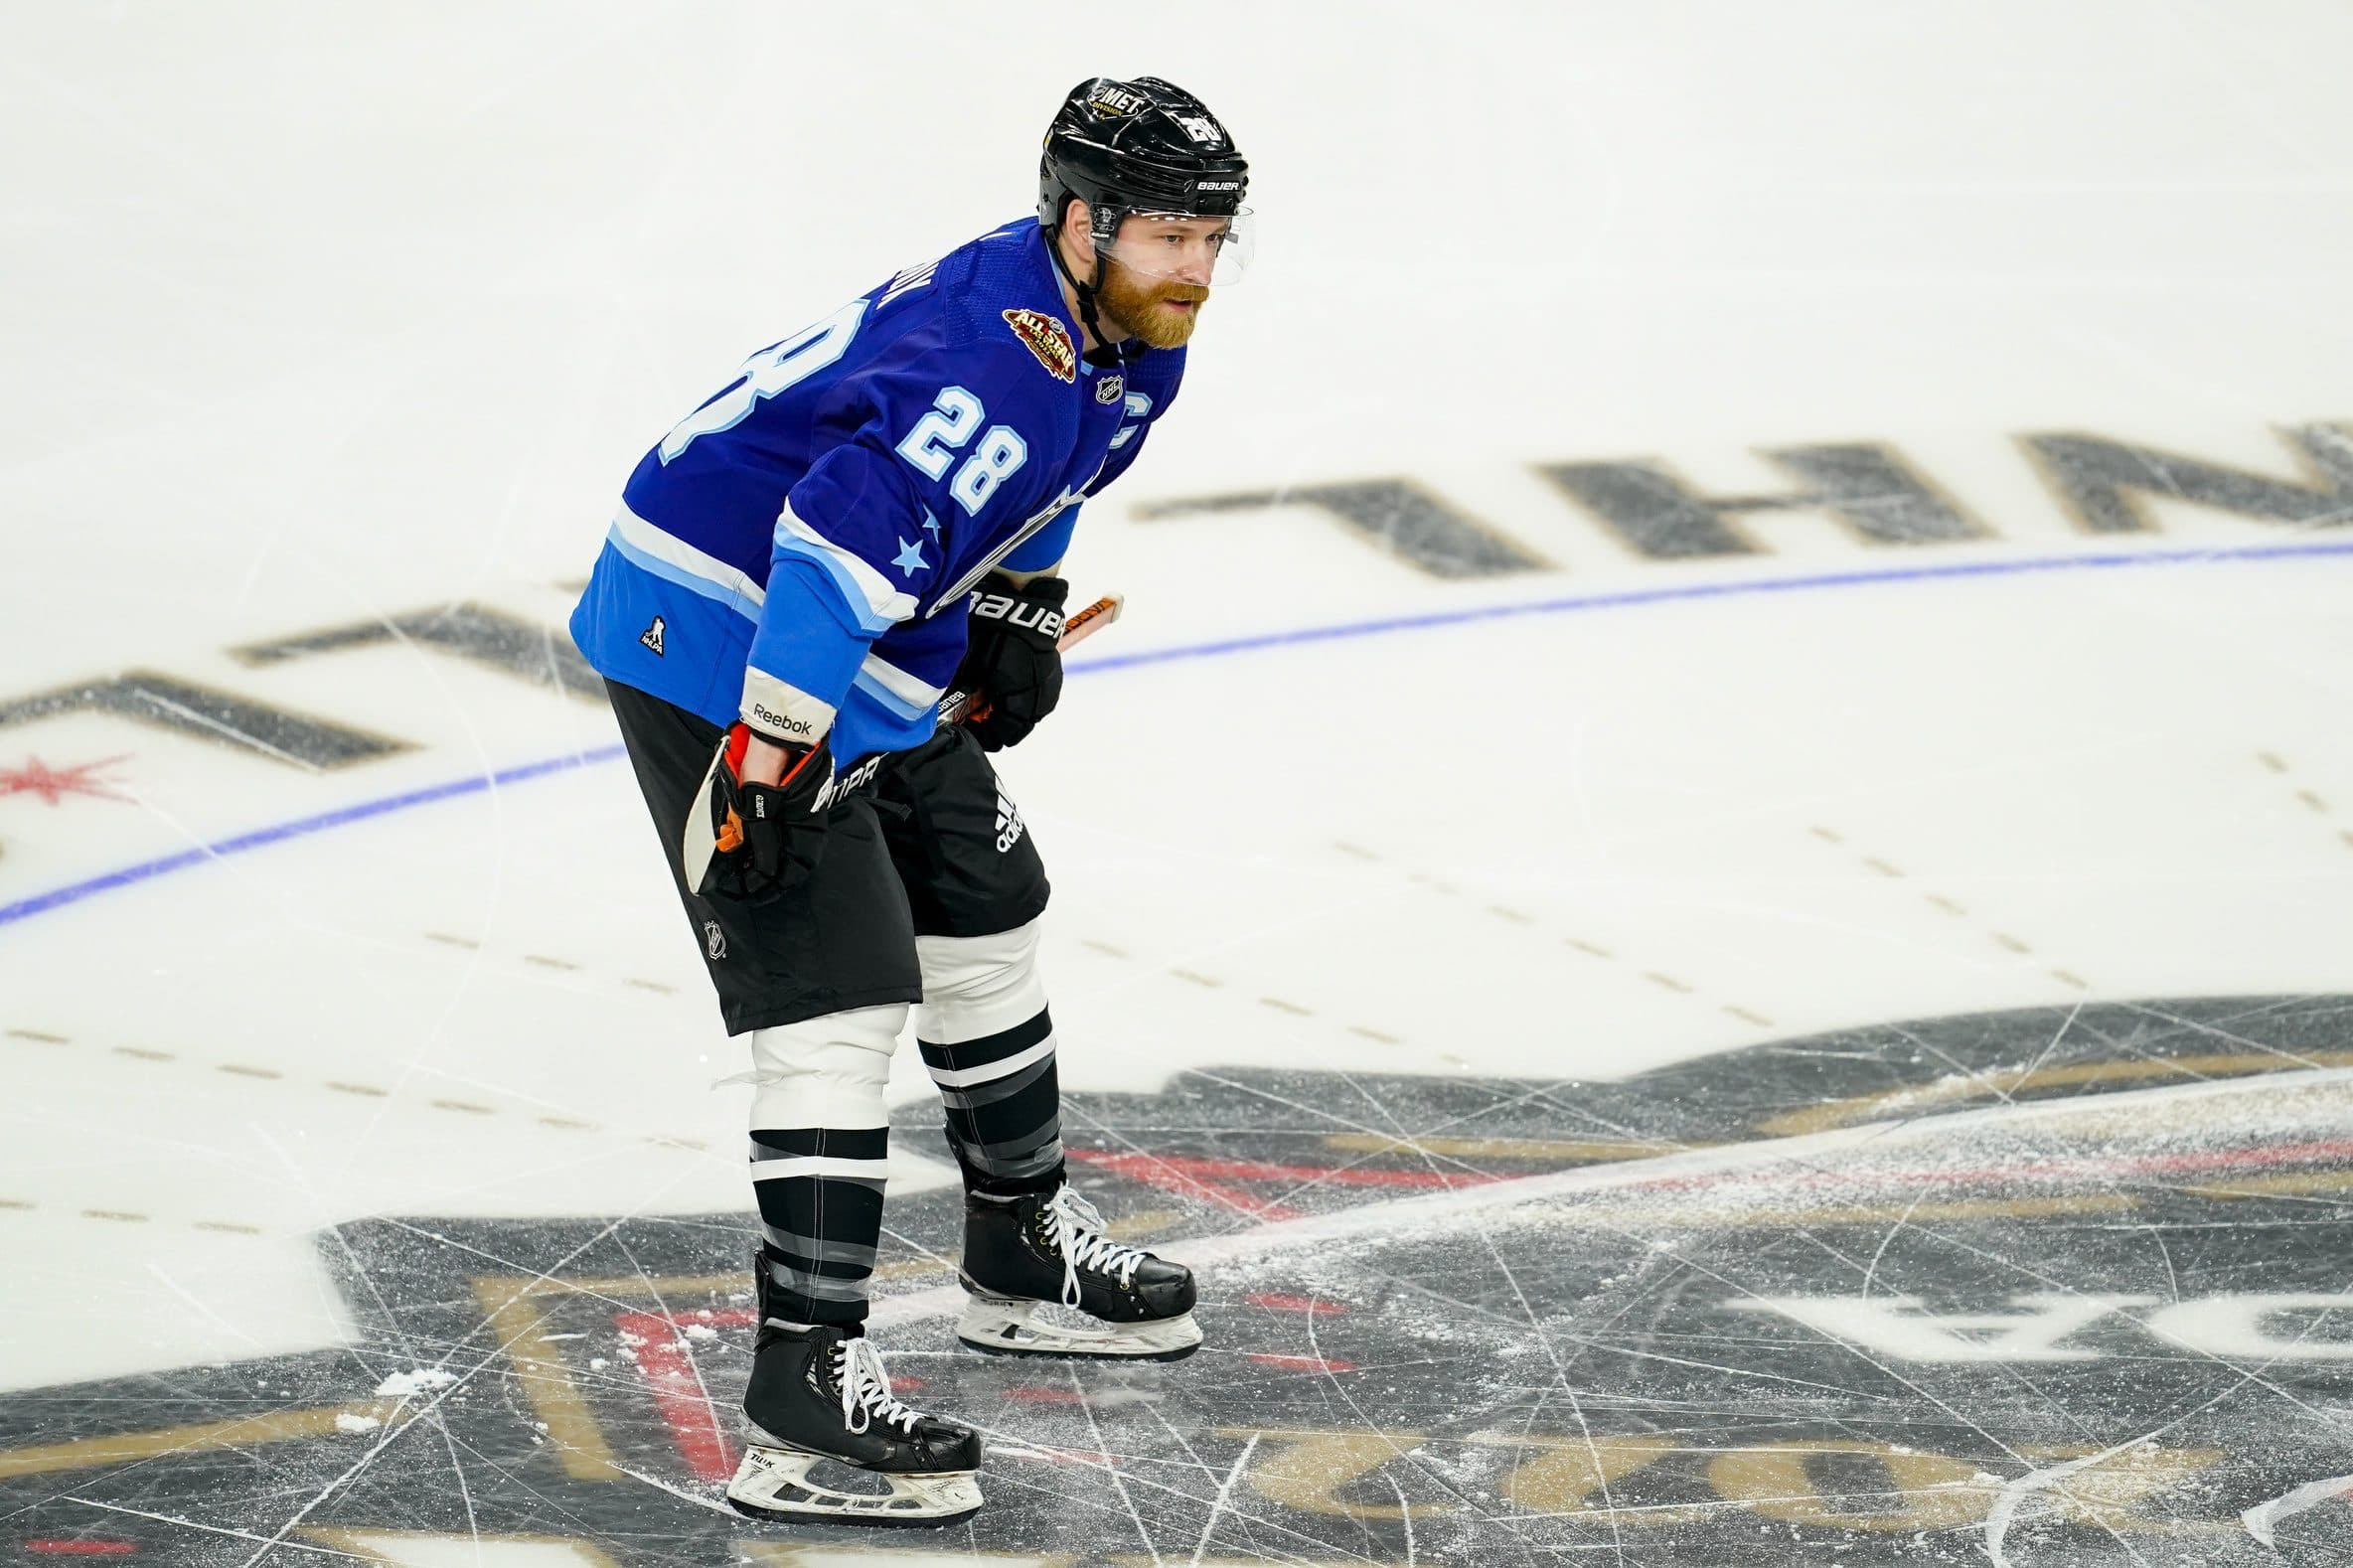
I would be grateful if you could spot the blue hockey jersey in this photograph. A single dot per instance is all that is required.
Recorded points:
(812, 533)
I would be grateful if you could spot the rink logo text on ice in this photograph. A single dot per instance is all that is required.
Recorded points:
(1875, 495)
(2257, 1327)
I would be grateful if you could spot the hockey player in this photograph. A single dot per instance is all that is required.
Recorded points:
(871, 513)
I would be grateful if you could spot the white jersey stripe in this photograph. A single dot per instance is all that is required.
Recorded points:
(908, 696)
(884, 603)
(671, 550)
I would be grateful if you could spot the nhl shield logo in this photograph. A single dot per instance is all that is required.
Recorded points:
(1110, 389)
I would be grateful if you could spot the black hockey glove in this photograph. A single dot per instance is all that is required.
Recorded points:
(755, 841)
(1011, 659)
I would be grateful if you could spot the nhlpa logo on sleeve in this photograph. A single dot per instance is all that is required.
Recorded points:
(652, 636)
(1049, 339)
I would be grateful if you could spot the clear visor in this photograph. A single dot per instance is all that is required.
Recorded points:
(1176, 248)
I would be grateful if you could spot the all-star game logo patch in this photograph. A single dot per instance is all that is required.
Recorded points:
(1049, 339)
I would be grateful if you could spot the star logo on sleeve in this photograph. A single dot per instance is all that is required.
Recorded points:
(909, 560)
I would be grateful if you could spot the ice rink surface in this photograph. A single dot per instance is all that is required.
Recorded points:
(1710, 880)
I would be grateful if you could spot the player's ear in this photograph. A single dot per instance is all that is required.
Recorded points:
(1078, 227)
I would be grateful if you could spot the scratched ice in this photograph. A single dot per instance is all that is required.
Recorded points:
(1708, 882)
(2038, 1326)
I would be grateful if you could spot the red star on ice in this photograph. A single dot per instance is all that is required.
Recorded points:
(53, 785)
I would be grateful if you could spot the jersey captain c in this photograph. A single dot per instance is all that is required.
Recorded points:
(806, 539)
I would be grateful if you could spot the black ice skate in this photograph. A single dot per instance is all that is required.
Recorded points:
(1022, 1253)
(821, 1394)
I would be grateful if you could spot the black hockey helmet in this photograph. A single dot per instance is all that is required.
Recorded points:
(1140, 146)
(1144, 148)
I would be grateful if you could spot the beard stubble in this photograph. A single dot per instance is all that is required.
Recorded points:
(1131, 303)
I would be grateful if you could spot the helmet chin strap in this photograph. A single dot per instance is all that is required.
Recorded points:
(1105, 354)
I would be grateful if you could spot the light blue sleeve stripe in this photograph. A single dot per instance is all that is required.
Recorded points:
(853, 596)
(704, 587)
(889, 700)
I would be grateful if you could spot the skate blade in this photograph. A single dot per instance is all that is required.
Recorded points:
(774, 1484)
(996, 1326)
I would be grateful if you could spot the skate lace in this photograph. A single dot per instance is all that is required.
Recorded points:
(1077, 1229)
(866, 1389)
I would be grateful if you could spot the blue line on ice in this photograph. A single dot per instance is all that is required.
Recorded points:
(302, 827)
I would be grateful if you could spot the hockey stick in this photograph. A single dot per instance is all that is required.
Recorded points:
(697, 848)
(957, 706)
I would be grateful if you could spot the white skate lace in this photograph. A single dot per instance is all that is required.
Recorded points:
(865, 1390)
(1075, 1227)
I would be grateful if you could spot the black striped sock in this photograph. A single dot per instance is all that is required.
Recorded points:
(1003, 1101)
(820, 1192)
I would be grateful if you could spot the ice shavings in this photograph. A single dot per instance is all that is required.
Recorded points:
(407, 1385)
